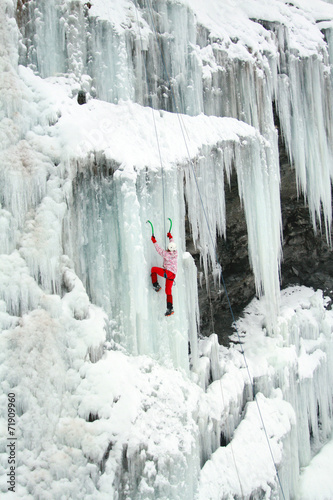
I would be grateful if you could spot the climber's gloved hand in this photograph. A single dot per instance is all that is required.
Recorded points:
(169, 235)
(153, 239)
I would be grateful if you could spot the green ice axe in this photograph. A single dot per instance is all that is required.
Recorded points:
(170, 224)
(152, 227)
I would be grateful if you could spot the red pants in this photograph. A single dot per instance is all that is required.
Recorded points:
(168, 282)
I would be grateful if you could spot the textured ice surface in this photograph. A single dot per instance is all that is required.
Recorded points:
(109, 402)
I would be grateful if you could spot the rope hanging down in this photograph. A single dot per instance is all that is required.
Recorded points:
(184, 133)
(148, 221)
(154, 122)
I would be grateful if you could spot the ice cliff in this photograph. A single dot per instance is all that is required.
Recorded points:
(113, 400)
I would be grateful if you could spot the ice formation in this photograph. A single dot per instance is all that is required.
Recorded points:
(109, 402)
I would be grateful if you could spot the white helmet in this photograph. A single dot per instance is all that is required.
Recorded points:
(172, 247)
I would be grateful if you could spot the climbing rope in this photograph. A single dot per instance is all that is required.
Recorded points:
(150, 103)
(184, 134)
(162, 173)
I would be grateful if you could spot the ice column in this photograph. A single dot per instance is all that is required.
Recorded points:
(41, 25)
(304, 102)
(258, 182)
(109, 51)
(191, 290)
(109, 241)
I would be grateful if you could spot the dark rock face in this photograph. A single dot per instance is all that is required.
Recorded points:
(215, 314)
(307, 258)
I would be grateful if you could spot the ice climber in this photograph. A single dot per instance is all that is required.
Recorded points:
(168, 271)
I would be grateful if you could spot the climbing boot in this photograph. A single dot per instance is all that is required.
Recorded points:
(169, 310)
(156, 286)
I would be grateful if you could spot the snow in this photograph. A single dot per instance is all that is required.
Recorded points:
(117, 14)
(154, 418)
(316, 478)
(110, 403)
(235, 20)
(245, 464)
(272, 365)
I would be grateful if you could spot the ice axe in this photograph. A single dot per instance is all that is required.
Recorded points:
(152, 227)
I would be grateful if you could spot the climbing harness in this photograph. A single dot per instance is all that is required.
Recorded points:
(170, 279)
(184, 134)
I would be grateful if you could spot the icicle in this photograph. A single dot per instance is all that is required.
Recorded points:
(17, 288)
(191, 287)
(114, 256)
(8, 229)
(304, 101)
(258, 184)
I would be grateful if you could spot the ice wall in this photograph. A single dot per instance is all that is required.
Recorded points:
(97, 186)
(106, 231)
(177, 56)
(101, 409)
(110, 243)
(293, 385)
(305, 111)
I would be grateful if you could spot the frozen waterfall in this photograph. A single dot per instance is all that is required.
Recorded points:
(113, 399)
